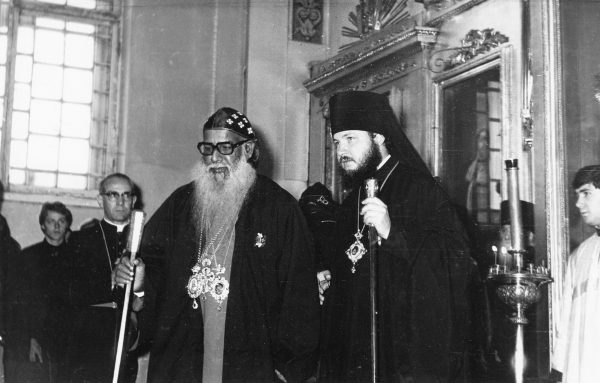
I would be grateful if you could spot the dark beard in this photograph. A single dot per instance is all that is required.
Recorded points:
(366, 169)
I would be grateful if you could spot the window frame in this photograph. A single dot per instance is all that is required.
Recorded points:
(109, 163)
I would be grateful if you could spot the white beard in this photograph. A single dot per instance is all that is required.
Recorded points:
(219, 197)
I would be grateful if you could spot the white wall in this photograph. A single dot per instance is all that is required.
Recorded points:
(277, 102)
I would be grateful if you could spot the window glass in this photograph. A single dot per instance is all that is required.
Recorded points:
(18, 153)
(74, 156)
(45, 117)
(42, 153)
(23, 68)
(79, 51)
(47, 81)
(25, 40)
(62, 116)
(78, 85)
(21, 97)
(20, 125)
(75, 120)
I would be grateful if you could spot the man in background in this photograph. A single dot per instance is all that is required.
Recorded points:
(12, 304)
(576, 351)
(230, 288)
(96, 249)
(45, 280)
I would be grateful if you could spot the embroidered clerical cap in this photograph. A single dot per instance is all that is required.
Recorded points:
(371, 112)
(230, 119)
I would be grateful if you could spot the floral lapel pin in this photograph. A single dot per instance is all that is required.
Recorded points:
(260, 240)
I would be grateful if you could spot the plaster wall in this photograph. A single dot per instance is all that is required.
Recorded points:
(174, 77)
(277, 102)
(581, 65)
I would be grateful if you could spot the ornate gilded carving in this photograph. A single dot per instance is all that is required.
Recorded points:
(373, 15)
(398, 40)
(475, 43)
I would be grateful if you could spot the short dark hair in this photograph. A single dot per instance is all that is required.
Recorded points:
(102, 187)
(587, 175)
(57, 207)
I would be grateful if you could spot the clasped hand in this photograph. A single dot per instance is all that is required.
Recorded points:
(324, 280)
(375, 213)
(124, 273)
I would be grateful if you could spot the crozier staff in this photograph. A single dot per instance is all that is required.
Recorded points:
(230, 289)
(422, 261)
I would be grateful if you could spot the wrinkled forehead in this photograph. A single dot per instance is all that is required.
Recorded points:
(117, 184)
(220, 135)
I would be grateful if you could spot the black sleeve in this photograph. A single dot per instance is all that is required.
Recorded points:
(298, 328)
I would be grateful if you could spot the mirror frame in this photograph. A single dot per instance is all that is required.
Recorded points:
(549, 143)
(500, 57)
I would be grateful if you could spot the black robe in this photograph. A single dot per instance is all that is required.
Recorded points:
(272, 309)
(423, 268)
(93, 338)
(13, 308)
(47, 302)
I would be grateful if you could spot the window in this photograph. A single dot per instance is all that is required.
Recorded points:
(58, 71)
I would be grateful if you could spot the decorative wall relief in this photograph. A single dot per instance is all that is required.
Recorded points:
(307, 21)
(373, 15)
(476, 42)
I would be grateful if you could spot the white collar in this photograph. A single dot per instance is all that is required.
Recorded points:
(119, 226)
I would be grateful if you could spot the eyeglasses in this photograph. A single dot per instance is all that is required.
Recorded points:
(225, 148)
(113, 195)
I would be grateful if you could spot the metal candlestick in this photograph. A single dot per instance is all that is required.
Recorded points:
(516, 285)
(519, 288)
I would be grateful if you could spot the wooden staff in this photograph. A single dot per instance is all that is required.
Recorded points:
(133, 244)
(372, 187)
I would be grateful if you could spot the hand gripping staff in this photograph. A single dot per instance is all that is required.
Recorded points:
(133, 244)
(372, 187)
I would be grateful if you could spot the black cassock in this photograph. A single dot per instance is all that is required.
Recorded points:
(92, 340)
(272, 310)
(423, 274)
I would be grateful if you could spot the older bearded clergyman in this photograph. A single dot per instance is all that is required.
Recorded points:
(230, 288)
